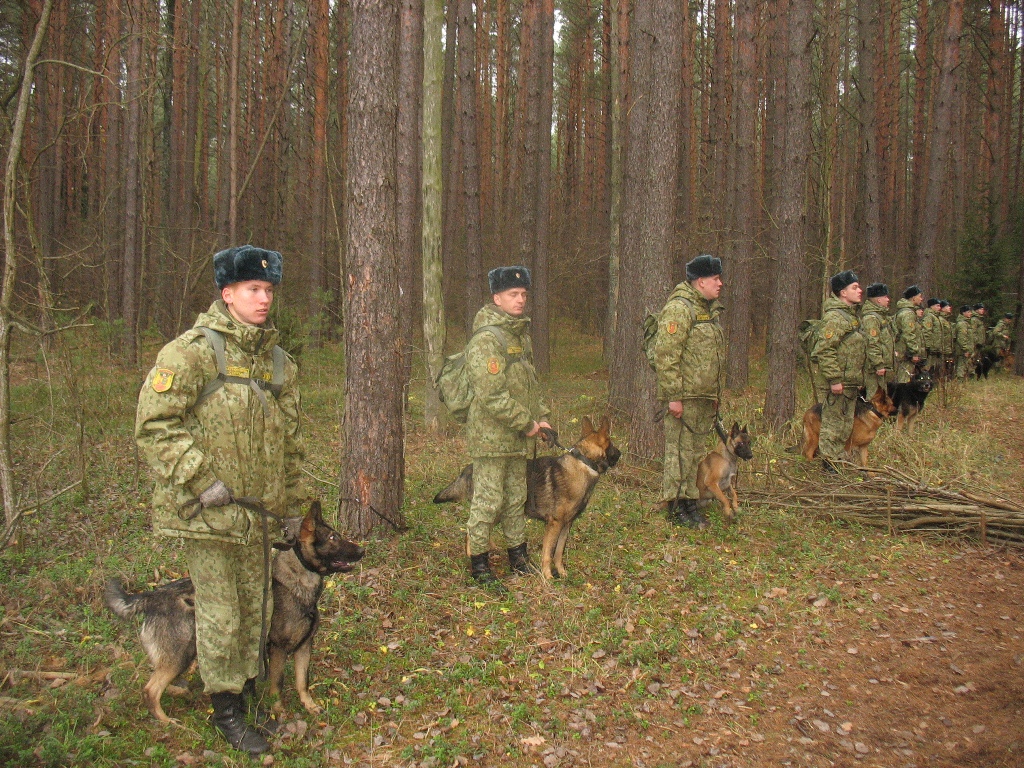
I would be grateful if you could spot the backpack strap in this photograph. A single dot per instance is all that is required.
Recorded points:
(499, 334)
(275, 385)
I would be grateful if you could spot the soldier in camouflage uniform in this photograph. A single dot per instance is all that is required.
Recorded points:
(964, 344)
(910, 348)
(840, 353)
(947, 330)
(980, 330)
(999, 336)
(504, 419)
(931, 335)
(689, 359)
(877, 328)
(207, 447)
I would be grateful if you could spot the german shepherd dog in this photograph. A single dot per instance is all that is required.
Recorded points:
(312, 549)
(909, 398)
(716, 472)
(868, 416)
(558, 489)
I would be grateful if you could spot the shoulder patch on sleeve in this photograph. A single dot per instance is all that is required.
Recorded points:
(874, 331)
(672, 327)
(493, 366)
(829, 333)
(162, 379)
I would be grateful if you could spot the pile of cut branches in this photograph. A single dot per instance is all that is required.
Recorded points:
(889, 498)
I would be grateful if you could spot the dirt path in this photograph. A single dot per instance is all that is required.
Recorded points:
(934, 676)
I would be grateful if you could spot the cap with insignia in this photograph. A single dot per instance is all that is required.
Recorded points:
(505, 278)
(246, 262)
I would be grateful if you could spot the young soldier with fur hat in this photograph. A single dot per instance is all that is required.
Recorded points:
(505, 417)
(218, 419)
(910, 349)
(689, 360)
(980, 329)
(881, 352)
(931, 335)
(840, 354)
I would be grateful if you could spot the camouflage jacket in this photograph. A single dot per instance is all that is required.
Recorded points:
(877, 328)
(964, 336)
(931, 332)
(999, 336)
(506, 393)
(946, 330)
(689, 349)
(980, 331)
(907, 331)
(230, 436)
(840, 348)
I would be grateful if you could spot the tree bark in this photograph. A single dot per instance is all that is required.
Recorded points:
(373, 466)
(648, 214)
(867, 88)
(475, 289)
(318, 46)
(945, 103)
(789, 211)
(620, 43)
(433, 290)
(130, 257)
(542, 199)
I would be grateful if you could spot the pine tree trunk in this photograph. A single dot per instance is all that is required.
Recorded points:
(648, 214)
(788, 208)
(539, 292)
(433, 289)
(373, 466)
(942, 137)
(475, 287)
(868, 42)
(130, 259)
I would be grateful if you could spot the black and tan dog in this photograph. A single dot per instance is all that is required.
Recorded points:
(868, 416)
(909, 398)
(716, 472)
(312, 550)
(558, 489)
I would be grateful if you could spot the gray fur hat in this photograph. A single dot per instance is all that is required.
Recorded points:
(246, 262)
(842, 280)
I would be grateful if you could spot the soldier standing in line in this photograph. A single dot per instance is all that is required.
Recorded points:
(504, 418)
(964, 344)
(910, 350)
(881, 347)
(948, 360)
(689, 360)
(999, 337)
(840, 353)
(931, 332)
(215, 424)
(980, 330)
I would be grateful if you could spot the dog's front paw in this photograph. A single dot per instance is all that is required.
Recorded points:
(311, 706)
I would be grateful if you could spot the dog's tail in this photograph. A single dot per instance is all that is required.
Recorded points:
(120, 602)
(460, 489)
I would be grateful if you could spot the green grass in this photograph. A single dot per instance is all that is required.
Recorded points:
(413, 663)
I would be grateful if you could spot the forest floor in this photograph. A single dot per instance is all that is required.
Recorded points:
(786, 639)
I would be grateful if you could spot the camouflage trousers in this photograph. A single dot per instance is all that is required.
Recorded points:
(685, 445)
(904, 371)
(873, 382)
(837, 413)
(229, 604)
(499, 496)
(964, 366)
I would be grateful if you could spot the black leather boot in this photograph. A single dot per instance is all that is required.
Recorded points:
(829, 467)
(677, 512)
(228, 714)
(480, 570)
(519, 561)
(696, 517)
(264, 721)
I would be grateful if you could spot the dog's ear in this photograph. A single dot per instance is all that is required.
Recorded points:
(735, 428)
(743, 429)
(316, 511)
(586, 427)
(606, 425)
(307, 531)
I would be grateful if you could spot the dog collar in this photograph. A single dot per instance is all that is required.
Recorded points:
(578, 455)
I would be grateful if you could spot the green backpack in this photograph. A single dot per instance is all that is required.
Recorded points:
(807, 333)
(452, 383)
(650, 329)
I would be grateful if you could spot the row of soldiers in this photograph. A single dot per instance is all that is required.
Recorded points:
(923, 334)
(857, 347)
